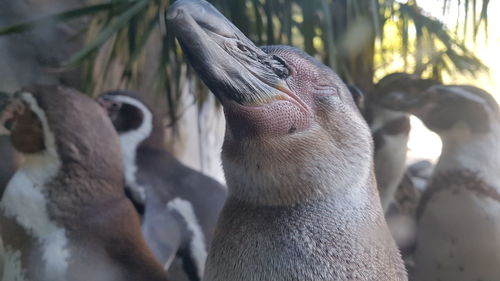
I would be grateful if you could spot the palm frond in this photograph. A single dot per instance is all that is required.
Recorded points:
(115, 26)
(62, 17)
(119, 32)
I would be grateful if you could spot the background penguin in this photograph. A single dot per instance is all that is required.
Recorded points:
(7, 162)
(391, 131)
(458, 234)
(303, 203)
(181, 205)
(64, 214)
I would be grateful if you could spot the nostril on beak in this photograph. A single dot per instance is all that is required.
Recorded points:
(175, 10)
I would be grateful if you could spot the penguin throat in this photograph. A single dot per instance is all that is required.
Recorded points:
(130, 142)
(25, 200)
(478, 153)
(282, 185)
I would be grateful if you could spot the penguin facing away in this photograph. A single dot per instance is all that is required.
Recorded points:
(303, 203)
(181, 205)
(458, 235)
(64, 214)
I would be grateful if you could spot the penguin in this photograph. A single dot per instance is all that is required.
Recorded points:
(297, 156)
(458, 231)
(391, 131)
(181, 205)
(64, 214)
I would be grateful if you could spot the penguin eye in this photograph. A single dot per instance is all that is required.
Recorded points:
(115, 106)
(241, 47)
(280, 67)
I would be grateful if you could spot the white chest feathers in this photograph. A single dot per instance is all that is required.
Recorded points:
(390, 166)
(480, 153)
(459, 229)
(24, 202)
(459, 238)
(129, 142)
(198, 247)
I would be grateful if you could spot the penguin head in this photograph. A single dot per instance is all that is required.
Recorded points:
(392, 95)
(398, 85)
(291, 122)
(135, 122)
(444, 108)
(126, 111)
(22, 119)
(66, 124)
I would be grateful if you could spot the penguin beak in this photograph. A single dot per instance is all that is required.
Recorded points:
(111, 107)
(105, 103)
(227, 61)
(402, 101)
(109, 104)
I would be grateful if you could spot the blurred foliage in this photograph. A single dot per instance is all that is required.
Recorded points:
(360, 39)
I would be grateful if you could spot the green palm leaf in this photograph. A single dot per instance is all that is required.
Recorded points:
(115, 26)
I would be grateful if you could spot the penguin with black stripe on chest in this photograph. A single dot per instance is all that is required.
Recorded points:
(64, 214)
(181, 205)
(297, 156)
(458, 234)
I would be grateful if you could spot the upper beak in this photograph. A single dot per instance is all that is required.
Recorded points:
(400, 101)
(203, 14)
(108, 104)
(227, 61)
(104, 103)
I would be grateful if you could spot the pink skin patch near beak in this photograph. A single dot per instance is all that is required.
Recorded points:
(277, 118)
(284, 113)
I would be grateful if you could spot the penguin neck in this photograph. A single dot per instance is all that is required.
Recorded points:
(41, 166)
(38, 168)
(58, 190)
(148, 139)
(31, 180)
(479, 153)
(382, 116)
(156, 139)
(296, 191)
(294, 176)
